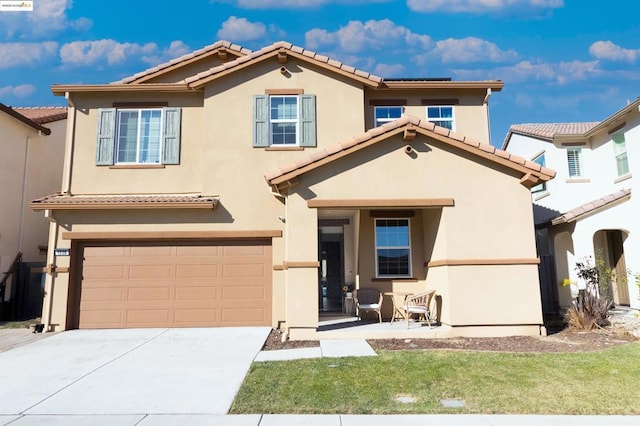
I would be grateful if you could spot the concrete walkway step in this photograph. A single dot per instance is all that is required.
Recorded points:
(334, 348)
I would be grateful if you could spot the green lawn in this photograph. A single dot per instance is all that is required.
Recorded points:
(606, 382)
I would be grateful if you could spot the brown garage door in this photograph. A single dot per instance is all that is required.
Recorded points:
(175, 284)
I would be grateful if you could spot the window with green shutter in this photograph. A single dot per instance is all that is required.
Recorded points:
(284, 120)
(138, 136)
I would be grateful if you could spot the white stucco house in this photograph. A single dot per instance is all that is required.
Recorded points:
(589, 209)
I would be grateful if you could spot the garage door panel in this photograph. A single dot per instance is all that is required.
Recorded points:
(243, 315)
(244, 250)
(196, 293)
(196, 316)
(103, 294)
(140, 294)
(104, 272)
(138, 317)
(150, 272)
(198, 251)
(102, 318)
(197, 271)
(176, 285)
(244, 293)
(151, 251)
(243, 270)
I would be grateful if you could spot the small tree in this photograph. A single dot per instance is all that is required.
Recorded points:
(591, 308)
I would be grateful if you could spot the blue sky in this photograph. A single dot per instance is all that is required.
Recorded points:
(561, 60)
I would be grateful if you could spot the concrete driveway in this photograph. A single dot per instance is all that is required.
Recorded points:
(128, 372)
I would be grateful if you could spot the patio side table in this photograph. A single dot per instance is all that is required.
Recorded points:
(398, 299)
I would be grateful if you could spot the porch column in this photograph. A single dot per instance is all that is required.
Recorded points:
(301, 267)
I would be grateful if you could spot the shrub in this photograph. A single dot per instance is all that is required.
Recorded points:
(590, 309)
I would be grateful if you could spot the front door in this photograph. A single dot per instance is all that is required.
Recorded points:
(331, 270)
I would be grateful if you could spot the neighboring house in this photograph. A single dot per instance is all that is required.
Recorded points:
(231, 187)
(589, 209)
(31, 157)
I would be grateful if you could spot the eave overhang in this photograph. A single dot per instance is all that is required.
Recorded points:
(123, 202)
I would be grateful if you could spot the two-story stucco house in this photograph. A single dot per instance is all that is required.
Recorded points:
(31, 158)
(209, 190)
(588, 210)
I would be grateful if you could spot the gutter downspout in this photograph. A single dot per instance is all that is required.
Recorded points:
(69, 145)
(485, 103)
(49, 279)
(23, 196)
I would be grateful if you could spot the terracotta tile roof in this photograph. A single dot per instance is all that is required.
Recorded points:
(236, 49)
(131, 201)
(407, 123)
(549, 130)
(290, 49)
(591, 206)
(13, 113)
(43, 115)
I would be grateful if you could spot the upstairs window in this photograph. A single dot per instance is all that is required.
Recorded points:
(543, 186)
(441, 116)
(393, 248)
(620, 152)
(138, 136)
(284, 120)
(385, 114)
(574, 160)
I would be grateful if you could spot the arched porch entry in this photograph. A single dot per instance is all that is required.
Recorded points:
(609, 243)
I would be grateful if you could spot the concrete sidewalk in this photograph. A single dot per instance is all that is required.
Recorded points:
(328, 349)
(317, 420)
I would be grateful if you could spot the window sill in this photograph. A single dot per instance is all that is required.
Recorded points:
(578, 180)
(541, 195)
(285, 148)
(623, 178)
(137, 166)
(403, 279)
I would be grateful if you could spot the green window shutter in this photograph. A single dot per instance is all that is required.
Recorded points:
(106, 136)
(171, 136)
(260, 121)
(308, 120)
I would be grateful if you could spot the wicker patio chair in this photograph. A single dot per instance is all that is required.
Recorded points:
(368, 300)
(419, 304)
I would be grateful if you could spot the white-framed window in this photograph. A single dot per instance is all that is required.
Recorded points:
(620, 152)
(284, 120)
(441, 116)
(574, 161)
(393, 248)
(138, 136)
(385, 114)
(543, 186)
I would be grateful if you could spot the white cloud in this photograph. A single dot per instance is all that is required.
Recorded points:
(466, 50)
(26, 54)
(175, 49)
(291, 4)
(561, 73)
(20, 91)
(48, 18)
(240, 29)
(83, 53)
(389, 70)
(357, 36)
(607, 50)
(481, 6)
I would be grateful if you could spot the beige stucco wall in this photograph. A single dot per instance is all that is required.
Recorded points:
(30, 167)
(469, 113)
(216, 158)
(481, 226)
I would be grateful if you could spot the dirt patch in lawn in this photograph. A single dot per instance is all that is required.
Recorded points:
(563, 340)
